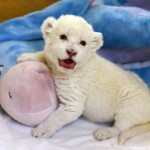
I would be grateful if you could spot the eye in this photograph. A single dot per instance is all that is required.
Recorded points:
(9, 95)
(83, 43)
(63, 37)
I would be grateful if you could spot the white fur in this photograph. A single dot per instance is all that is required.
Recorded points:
(96, 88)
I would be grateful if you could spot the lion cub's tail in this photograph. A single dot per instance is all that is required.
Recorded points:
(133, 132)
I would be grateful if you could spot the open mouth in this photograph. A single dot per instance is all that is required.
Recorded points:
(67, 63)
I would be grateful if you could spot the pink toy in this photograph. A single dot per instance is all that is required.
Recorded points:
(27, 93)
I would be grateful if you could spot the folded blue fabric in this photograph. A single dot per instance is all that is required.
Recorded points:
(28, 27)
(126, 56)
(122, 28)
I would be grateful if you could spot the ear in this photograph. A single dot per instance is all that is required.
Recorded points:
(47, 26)
(97, 41)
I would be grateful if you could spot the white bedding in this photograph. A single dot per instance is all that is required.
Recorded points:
(75, 136)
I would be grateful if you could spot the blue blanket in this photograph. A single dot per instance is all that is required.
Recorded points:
(124, 29)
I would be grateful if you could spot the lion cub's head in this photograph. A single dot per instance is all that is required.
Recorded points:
(69, 42)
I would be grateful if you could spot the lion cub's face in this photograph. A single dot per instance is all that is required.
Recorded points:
(69, 42)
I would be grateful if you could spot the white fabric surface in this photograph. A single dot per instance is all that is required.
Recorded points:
(75, 136)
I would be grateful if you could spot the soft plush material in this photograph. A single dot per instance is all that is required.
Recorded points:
(122, 27)
(27, 93)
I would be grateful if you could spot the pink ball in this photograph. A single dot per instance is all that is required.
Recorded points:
(27, 93)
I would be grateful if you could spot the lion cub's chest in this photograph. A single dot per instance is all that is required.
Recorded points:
(70, 90)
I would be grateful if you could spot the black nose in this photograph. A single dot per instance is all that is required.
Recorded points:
(71, 53)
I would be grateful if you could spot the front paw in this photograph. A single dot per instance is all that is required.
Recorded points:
(42, 131)
(26, 57)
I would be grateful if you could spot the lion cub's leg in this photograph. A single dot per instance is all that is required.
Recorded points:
(106, 133)
(134, 104)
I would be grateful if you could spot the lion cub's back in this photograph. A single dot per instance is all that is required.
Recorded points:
(107, 79)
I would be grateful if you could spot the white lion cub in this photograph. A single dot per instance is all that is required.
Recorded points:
(88, 84)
